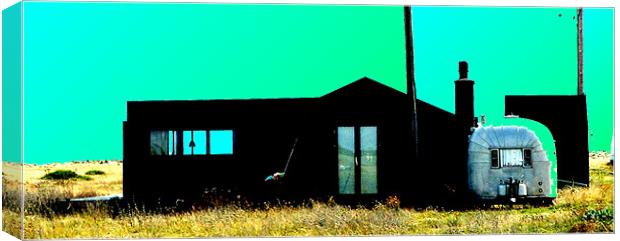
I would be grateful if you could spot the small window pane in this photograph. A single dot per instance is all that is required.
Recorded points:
(194, 142)
(200, 138)
(512, 157)
(346, 160)
(188, 144)
(159, 143)
(527, 157)
(172, 143)
(368, 148)
(494, 159)
(221, 142)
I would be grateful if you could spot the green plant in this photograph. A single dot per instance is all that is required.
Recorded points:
(605, 216)
(64, 175)
(595, 220)
(95, 172)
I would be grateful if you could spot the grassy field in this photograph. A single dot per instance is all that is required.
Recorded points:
(576, 210)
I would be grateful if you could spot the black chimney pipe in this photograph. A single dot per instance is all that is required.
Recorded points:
(464, 98)
(464, 112)
(463, 70)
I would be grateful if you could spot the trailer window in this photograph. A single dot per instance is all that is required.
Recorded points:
(511, 157)
(527, 157)
(495, 158)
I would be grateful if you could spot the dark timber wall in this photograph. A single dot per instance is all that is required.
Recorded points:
(265, 131)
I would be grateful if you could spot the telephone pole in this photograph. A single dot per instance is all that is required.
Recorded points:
(580, 51)
(411, 89)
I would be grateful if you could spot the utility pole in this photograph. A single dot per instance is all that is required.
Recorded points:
(411, 90)
(580, 51)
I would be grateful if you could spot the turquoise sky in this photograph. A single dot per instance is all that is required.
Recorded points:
(519, 51)
(83, 61)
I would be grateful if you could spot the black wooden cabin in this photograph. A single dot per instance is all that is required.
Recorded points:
(351, 143)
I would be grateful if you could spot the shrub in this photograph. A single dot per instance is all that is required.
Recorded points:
(95, 172)
(64, 175)
(605, 216)
(595, 220)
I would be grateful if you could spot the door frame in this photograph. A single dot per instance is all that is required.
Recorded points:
(357, 158)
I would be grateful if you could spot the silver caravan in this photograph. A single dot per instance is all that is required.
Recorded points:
(508, 163)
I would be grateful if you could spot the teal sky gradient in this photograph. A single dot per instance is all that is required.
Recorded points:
(11, 83)
(516, 51)
(83, 61)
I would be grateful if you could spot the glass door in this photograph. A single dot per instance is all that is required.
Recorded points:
(368, 159)
(357, 160)
(346, 160)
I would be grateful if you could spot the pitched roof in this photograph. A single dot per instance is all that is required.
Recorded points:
(365, 87)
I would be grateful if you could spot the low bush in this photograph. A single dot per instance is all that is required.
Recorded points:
(95, 172)
(64, 175)
(605, 216)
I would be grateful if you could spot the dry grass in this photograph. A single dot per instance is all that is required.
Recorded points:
(110, 183)
(315, 219)
(41, 196)
(320, 220)
(601, 190)
(11, 198)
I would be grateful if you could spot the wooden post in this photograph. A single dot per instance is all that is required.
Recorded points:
(580, 51)
(411, 90)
